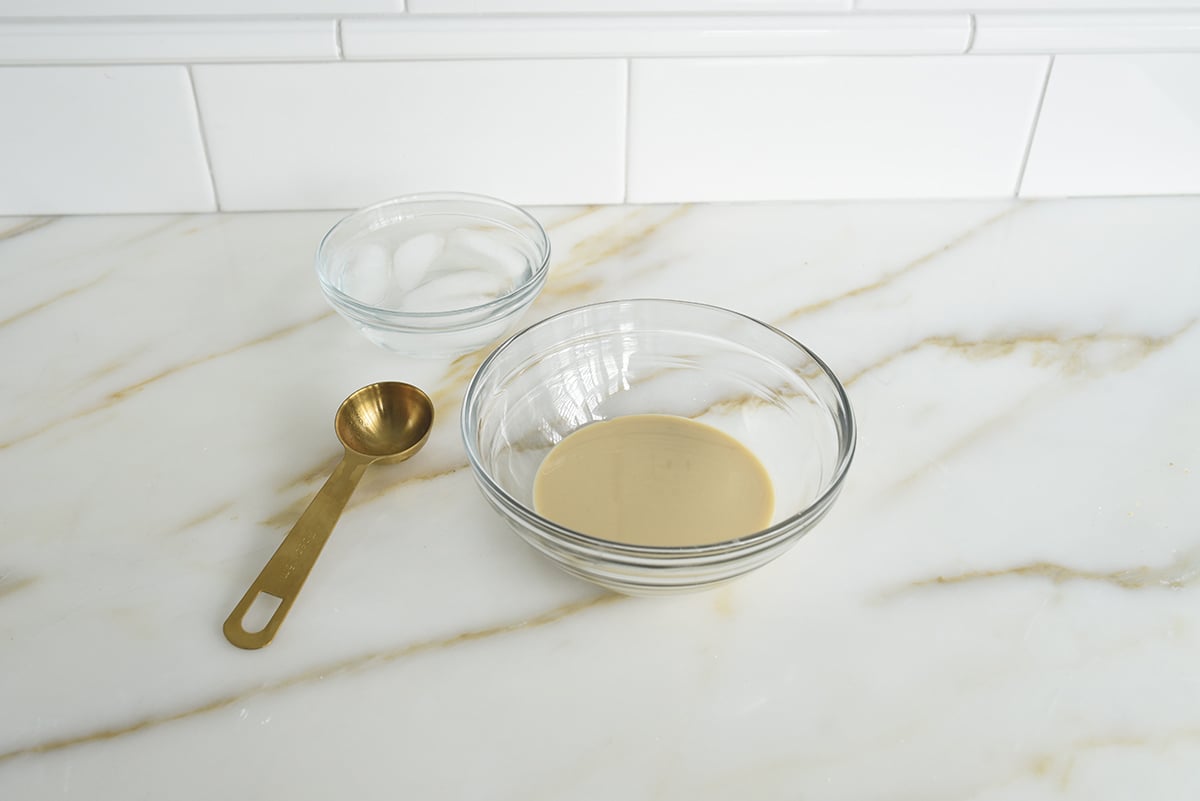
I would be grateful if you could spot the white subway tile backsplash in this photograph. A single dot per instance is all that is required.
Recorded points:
(1021, 5)
(192, 8)
(764, 129)
(167, 41)
(178, 105)
(100, 139)
(428, 37)
(344, 135)
(619, 6)
(1118, 125)
(1096, 32)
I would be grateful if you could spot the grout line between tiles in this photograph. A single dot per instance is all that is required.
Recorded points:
(971, 27)
(212, 178)
(1037, 116)
(628, 109)
(337, 39)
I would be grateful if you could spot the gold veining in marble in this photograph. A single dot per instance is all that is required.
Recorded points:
(449, 392)
(351, 665)
(288, 515)
(271, 336)
(111, 248)
(26, 227)
(152, 231)
(984, 429)
(586, 211)
(565, 279)
(1143, 346)
(378, 491)
(723, 603)
(1181, 572)
(121, 394)
(310, 475)
(48, 302)
(1060, 765)
(204, 517)
(749, 400)
(580, 286)
(889, 277)
(10, 586)
(1050, 348)
(113, 366)
(368, 492)
(1043, 748)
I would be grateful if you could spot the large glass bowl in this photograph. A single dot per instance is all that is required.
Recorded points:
(713, 365)
(434, 275)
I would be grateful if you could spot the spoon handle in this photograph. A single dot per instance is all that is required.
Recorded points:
(284, 574)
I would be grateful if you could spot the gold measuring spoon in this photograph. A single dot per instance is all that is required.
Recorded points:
(384, 422)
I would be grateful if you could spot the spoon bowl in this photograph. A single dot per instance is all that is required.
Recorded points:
(388, 421)
(384, 422)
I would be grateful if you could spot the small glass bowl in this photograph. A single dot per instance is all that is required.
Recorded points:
(434, 275)
(610, 359)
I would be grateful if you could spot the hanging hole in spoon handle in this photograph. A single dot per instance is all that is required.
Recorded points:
(236, 626)
(388, 421)
(285, 572)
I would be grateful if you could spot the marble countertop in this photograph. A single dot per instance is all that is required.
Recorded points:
(1002, 605)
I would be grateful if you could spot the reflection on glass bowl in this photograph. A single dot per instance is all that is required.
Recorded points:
(618, 358)
(434, 275)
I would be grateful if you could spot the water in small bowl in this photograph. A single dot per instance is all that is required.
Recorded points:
(433, 265)
(434, 275)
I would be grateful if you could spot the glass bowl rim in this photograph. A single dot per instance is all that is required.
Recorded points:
(847, 442)
(515, 297)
